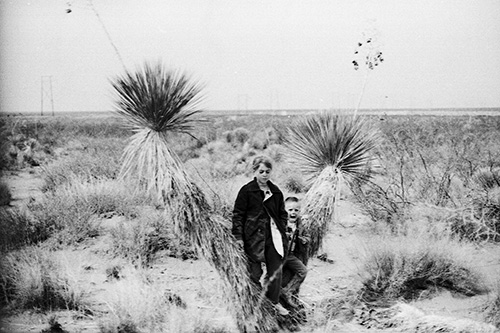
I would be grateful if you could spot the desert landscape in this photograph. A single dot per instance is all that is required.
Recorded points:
(413, 249)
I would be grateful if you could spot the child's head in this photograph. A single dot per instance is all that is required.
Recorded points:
(292, 207)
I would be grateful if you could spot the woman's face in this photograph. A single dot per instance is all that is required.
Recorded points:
(262, 174)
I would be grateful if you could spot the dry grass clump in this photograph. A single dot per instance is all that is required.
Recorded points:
(493, 308)
(4, 144)
(18, 229)
(138, 305)
(69, 214)
(488, 178)
(403, 317)
(406, 266)
(91, 159)
(35, 279)
(294, 182)
(341, 306)
(140, 240)
(237, 137)
(5, 194)
(264, 138)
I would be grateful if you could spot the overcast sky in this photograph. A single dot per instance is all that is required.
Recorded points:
(254, 54)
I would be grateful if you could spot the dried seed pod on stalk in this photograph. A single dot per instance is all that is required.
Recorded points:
(328, 148)
(155, 102)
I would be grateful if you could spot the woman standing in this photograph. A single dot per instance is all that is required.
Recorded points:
(259, 222)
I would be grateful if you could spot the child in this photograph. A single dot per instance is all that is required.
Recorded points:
(297, 249)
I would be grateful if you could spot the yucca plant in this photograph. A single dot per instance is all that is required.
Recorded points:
(156, 102)
(328, 148)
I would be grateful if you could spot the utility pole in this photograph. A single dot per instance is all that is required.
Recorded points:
(46, 93)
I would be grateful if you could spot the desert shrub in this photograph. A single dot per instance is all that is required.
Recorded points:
(493, 308)
(294, 183)
(34, 279)
(476, 224)
(68, 214)
(241, 135)
(342, 305)
(18, 229)
(488, 178)
(263, 138)
(275, 152)
(137, 305)
(406, 266)
(4, 145)
(34, 141)
(88, 159)
(5, 194)
(140, 240)
(236, 137)
(259, 140)
(381, 204)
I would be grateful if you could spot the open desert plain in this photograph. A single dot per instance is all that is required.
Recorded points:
(411, 245)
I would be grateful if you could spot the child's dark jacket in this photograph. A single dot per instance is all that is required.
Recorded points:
(296, 246)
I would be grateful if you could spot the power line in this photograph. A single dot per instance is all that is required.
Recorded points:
(46, 92)
(107, 34)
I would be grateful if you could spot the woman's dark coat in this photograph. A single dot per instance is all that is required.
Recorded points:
(251, 222)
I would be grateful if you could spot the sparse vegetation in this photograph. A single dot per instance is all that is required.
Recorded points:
(407, 266)
(493, 308)
(17, 229)
(33, 278)
(5, 194)
(139, 241)
(439, 171)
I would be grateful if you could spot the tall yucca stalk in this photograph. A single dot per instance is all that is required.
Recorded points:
(328, 148)
(156, 102)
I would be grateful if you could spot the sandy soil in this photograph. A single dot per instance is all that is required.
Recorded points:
(195, 281)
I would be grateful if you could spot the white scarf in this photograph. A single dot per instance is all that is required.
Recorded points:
(275, 233)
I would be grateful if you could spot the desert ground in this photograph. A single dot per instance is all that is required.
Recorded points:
(84, 252)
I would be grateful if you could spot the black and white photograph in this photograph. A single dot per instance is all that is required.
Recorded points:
(189, 166)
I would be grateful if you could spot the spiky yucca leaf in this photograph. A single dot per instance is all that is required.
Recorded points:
(318, 207)
(154, 102)
(149, 160)
(158, 99)
(328, 139)
(328, 148)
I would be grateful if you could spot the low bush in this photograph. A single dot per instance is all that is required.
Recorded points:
(18, 229)
(137, 305)
(5, 194)
(4, 145)
(34, 279)
(236, 137)
(488, 178)
(493, 308)
(68, 214)
(342, 305)
(406, 266)
(88, 159)
(294, 183)
(381, 204)
(139, 240)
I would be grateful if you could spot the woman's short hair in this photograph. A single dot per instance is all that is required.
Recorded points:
(257, 161)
